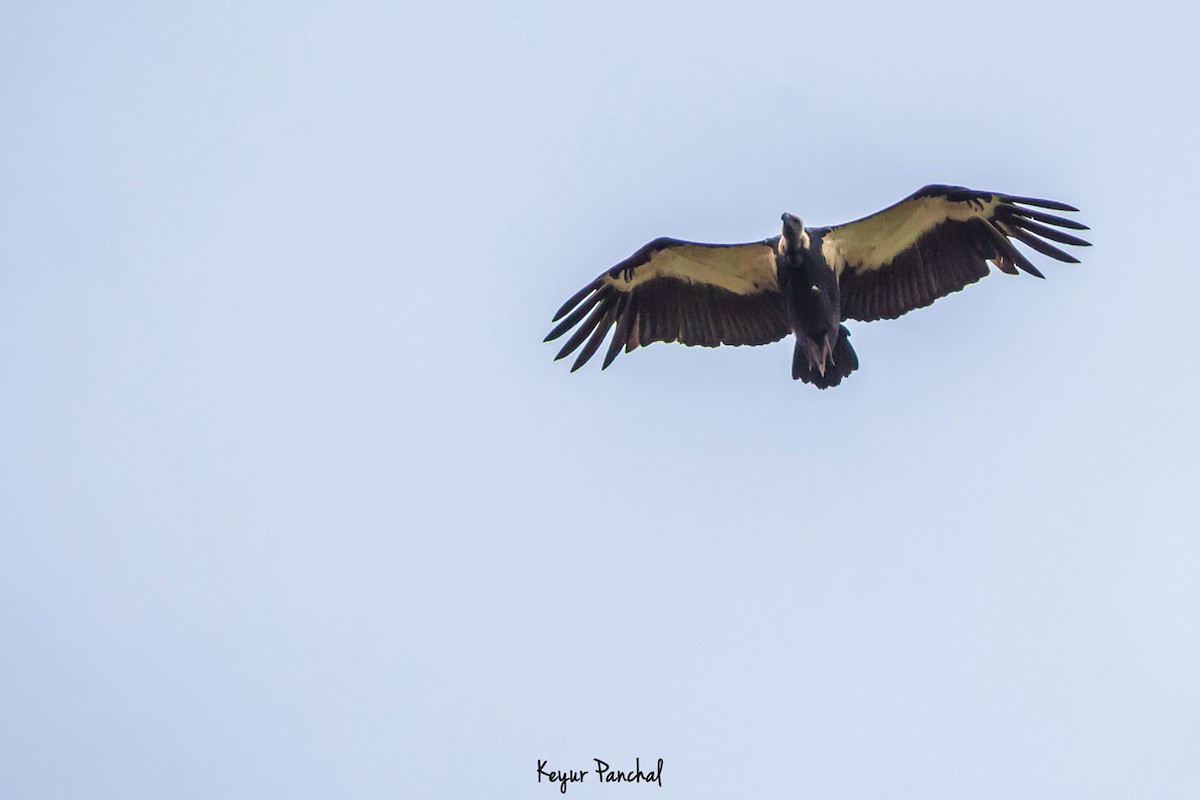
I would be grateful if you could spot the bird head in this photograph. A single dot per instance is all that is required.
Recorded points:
(794, 238)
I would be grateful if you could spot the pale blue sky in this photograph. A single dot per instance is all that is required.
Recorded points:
(294, 502)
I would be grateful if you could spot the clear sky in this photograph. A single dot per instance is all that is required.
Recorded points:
(294, 502)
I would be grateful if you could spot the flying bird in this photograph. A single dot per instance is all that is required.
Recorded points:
(808, 281)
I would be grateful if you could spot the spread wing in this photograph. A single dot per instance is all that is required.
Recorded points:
(676, 291)
(935, 242)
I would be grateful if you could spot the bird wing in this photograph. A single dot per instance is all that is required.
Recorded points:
(676, 291)
(936, 241)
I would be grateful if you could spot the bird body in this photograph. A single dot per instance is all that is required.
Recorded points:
(808, 281)
(812, 297)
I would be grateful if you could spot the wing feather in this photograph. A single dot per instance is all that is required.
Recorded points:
(1000, 233)
(573, 318)
(935, 242)
(626, 315)
(672, 290)
(1046, 232)
(1050, 219)
(1041, 246)
(597, 337)
(585, 329)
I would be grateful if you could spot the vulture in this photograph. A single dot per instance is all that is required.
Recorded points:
(808, 281)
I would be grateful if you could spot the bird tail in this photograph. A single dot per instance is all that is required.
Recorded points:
(824, 364)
